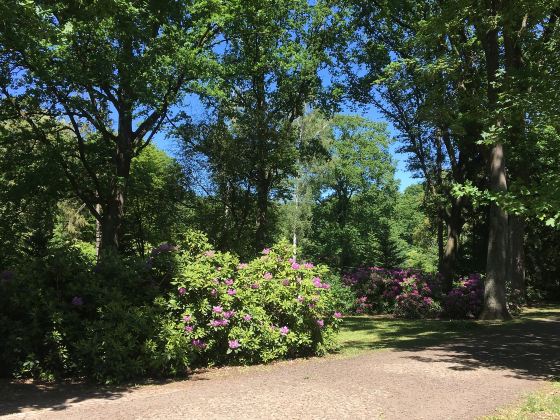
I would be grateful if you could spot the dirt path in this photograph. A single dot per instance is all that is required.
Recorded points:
(464, 379)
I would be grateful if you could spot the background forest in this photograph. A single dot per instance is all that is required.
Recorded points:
(111, 245)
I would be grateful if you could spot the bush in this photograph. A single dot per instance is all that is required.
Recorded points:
(405, 293)
(230, 312)
(466, 298)
(187, 306)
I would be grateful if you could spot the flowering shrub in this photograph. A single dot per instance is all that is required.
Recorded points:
(223, 311)
(466, 298)
(406, 293)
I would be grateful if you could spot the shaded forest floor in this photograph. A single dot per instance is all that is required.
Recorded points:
(427, 370)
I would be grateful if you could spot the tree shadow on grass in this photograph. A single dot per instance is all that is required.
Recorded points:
(529, 346)
(530, 350)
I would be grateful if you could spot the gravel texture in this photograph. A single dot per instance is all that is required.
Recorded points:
(463, 379)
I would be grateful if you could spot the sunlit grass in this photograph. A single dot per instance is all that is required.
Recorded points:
(363, 333)
(543, 404)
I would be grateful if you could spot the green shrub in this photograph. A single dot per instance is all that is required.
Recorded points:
(269, 308)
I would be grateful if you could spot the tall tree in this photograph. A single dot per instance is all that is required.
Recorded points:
(107, 75)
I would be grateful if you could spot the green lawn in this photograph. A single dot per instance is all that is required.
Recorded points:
(544, 404)
(363, 333)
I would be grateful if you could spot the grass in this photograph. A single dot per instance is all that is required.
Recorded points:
(363, 333)
(543, 404)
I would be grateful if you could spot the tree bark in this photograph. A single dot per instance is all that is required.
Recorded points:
(495, 304)
(516, 257)
(451, 251)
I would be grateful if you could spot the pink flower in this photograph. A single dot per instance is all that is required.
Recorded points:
(182, 291)
(284, 330)
(266, 251)
(217, 309)
(317, 282)
(255, 286)
(300, 298)
(213, 292)
(231, 292)
(219, 322)
(188, 328)
(337, 315)
(209, 254)
(234, 344)
(229, 282)
(326, 286)
(320, 323)
(187, 318)
(242, 266)
(286, 282)
(308, 266)
(291, 260)
(229, 314)
(247, 317)
(199, 343)
(295, 266)
(267, 276)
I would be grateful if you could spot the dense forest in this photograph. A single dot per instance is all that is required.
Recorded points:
(263, 104)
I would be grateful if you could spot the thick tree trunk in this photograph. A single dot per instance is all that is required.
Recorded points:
(113, 208)
(495, 304)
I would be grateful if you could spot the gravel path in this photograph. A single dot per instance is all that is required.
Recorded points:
(464, 379)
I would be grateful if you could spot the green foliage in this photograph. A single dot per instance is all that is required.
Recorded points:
(225, 312)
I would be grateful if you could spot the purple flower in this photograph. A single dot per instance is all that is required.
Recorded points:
(187, 318)
(77, 301)
(255, 286)
(182, 291)
(337, 315)
(267, 276)
(247, 317)
(217, 309)
(284, 330)
(219, 322)
(326, 286)
(266, 251)
(320, 323)
(295, 266)
(229, 282)
(234, 344)
(231, 292)
(199, 343)
(242, 266)
(229, 314)
(188, 328)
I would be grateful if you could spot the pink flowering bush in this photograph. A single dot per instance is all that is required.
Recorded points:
(466, 298)
(222, 311)
(404, 292)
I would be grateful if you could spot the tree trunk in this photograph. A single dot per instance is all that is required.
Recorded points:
(495, 305)
(516, 257)
(262, 215)
(451, 251)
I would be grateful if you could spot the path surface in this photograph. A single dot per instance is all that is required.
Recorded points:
(463, 379)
